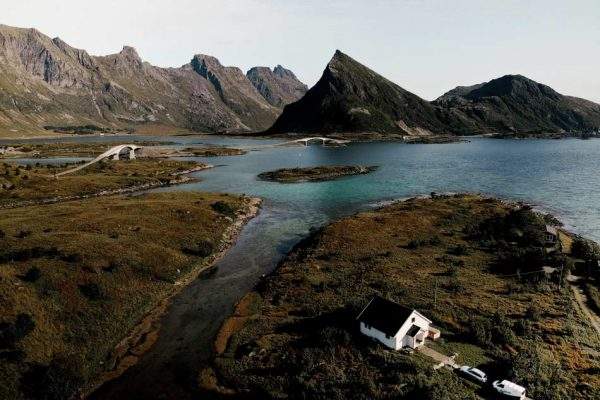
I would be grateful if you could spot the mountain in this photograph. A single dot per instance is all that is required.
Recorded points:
(516, 104)
(236, 91)
(351, 98)
(46, 82)
(278, 86)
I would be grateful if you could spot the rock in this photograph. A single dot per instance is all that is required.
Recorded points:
(278, 86)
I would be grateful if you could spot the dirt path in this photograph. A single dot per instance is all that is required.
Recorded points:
(581, 300)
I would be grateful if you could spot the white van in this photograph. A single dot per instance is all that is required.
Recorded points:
(509, 389)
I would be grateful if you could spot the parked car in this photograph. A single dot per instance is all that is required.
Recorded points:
(509, 389)
(473, 373)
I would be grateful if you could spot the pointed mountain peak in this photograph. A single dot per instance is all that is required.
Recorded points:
(130, 53)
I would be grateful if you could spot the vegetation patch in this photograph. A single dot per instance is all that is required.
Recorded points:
(22, 184)
(324, 173)
(86, 274)
(302, 341)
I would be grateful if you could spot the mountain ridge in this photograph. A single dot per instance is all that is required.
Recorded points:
(517, 104)
(47, 82)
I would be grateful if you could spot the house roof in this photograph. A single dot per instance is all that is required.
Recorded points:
(413, 330)
(551, 230)
(384, 315)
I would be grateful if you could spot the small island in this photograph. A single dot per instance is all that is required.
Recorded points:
(322, 173)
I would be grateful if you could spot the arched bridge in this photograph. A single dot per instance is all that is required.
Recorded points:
(317, 139)
(122, 151)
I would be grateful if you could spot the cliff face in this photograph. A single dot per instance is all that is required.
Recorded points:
(237, 92)
(46, 82)
(516, 104)
(350, 97)
(279, 86)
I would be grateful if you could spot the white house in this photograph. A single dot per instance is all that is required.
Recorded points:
(394, 325)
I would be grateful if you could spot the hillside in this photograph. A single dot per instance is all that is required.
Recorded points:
(516, 104)
(278, 86)
(456, 259)
(46, 82)
(351, 98)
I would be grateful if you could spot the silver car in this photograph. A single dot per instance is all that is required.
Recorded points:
(474, 373)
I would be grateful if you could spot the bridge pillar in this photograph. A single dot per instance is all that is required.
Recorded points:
(115, 157)
(131, 154)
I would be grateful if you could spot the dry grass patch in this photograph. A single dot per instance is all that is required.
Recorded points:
(445, 257)
(101, 265)
(25, 183)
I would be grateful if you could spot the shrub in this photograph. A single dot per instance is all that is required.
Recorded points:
(533, 313)
(11, 333)
(22, 234)
(58, 380)
(585, 249)
(497, 330)
(32, 275)
(454, 286)
(91, 291)
(459, 250)
(203, 248)
(223, 207)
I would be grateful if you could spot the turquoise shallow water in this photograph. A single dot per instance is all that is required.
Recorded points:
(559, 176)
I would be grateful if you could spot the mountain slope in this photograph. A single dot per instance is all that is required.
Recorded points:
(278, 86)
(516, 104)
(46, 82)
(351, 98)
(236, 91)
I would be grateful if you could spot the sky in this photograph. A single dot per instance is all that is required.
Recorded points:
(427, 46)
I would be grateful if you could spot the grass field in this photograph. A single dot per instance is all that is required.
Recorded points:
(76, 277)
(72, 149)
(446, 257)
(36, 183)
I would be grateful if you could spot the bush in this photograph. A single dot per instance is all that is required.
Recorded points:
(91, 291)
(224, 208)
(497, 330)
(11, 333)
(59, 380)
(32, 275)
(459, 250)
(203, 248)
(585, 249)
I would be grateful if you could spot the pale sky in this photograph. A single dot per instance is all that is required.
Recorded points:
(427, 47)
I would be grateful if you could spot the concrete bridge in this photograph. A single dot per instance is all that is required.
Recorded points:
(317, 139)
(122, 151)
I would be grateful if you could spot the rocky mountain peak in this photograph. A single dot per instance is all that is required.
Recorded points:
(131, 55)
(278, 86)
(350, 97)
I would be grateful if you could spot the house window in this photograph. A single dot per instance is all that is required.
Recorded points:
(413, 319)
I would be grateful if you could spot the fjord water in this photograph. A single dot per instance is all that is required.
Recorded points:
(558, 176)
